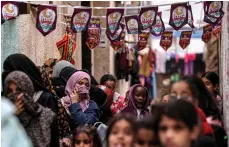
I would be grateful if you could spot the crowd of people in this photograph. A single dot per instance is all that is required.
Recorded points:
(57, 105)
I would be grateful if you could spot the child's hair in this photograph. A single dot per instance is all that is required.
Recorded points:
(200, 92)
(122, 116)
(164, 92)
(213, 77)
(148, 123)
(183, 111)
(90, 131)
(107, 77)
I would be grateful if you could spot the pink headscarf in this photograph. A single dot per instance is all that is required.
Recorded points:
(72, 84)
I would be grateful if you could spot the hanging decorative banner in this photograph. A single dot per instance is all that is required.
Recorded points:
(213, 12)
(94, 32)
(46, 19)
(80, 19)
(159, 26)
(143, 40)
(207, 33)
(166, 40)
(178, 16)
(190, 17)
(10, 10)
(66, 48)
(132, 24)
(185, 38)
(113, 19)
(147, 17)
(118, 43)
(117, 33)
(217, 30)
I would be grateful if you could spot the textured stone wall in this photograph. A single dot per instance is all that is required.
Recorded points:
(224, 66)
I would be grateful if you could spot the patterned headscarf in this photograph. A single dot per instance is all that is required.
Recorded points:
(35, 118)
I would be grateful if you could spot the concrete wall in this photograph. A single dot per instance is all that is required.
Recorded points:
(224, 65)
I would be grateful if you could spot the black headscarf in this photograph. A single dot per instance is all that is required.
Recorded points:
(22, 63)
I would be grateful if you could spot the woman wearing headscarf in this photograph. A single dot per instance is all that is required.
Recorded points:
(138, 101)
(22, 63)
(36, 119)
(77, 100)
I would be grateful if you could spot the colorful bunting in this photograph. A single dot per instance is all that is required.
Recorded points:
(94, 33)
(113, 19)
(207, 33)
(213, 12)
(217, 29)
(166, 40)
(80, 19)
(178, 16)
(46, 19)
(119, 41)
(143, 40)
(10, 10)
(158, 27)
(185, 38)
(132, 24)
(147, 17)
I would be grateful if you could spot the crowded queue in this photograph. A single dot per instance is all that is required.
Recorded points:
(57, 105)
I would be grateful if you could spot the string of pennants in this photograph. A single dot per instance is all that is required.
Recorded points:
(148, 21)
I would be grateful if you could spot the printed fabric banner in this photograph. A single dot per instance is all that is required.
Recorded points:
(143, 40)
(117, 34)
(166, 40)
(66, 48)
(207, 33)
(113, 19)
(94, 33)
(132, 24)
(46, 19)
(190, 17)
(118, 43)
(10, 10)
(80, 19)
(158, 27)
(178, 16)
(185, 38)
(213, 12)
(147, 17)
(217, 29)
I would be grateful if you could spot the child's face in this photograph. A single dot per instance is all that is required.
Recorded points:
(139, 97)
(209, 85)
(121, 135)
(144, 138)
(83, 140)
(165, 99)
(181, 89)
(173, 133)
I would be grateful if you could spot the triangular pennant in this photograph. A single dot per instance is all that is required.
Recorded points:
(190, 17)
(10, 10)
(80, 19)
(143, 40)
(94, 33)
(207, 33)
(178, 16)
(213, 12)
(166, 40)
(113, 19)
(147, 17)
(159, 26)
(46, 19)
(185, 38)
(132, 24)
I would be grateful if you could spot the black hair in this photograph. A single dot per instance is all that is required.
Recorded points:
(211, 76)
(107, 77)
(183, 111)
(90, 131)
(122, 116)
(200, 92)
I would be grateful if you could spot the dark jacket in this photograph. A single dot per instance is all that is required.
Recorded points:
(89, 116)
